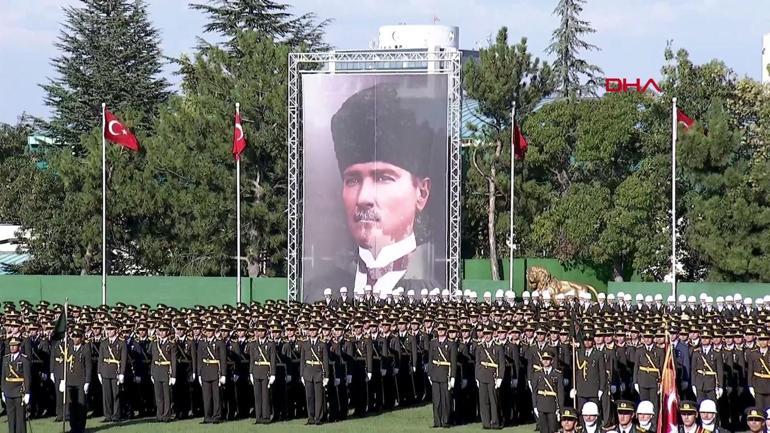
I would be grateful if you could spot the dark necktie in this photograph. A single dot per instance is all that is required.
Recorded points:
(374, 274)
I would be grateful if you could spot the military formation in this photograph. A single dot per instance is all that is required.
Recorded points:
(561, 362)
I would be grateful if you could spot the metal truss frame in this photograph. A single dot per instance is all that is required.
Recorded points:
(368, 62)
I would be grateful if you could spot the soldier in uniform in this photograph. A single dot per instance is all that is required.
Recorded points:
(688, 411)
(339, 365)
(442, 357)
(142, 390)
(15, 384)
(644, 413)
(549, 393)
(489, 372)
(707, 412)
(57, 373)
(78, 365)
(211, 368)
(111, 369)
(759, 371)
(648, 363)
(359, 349)
(185, 372)
(707, 370)
(262, 359)
(568, 420)
(163, 352)
(314, 371)
(755, 420)
(625, 412)
(590, 376)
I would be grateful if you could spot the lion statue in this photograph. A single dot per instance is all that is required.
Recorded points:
(541, 280)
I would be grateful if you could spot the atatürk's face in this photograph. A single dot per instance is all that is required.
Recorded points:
(381, 202)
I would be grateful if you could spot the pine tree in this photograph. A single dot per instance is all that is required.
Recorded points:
(109, 53)
(566, 44)
(266, 17)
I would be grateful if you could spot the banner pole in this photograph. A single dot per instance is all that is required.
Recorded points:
(238, 217)
(673, 197)
(64, 410)
(104, 208)
(513, 187)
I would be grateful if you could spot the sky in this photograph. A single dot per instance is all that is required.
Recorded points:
(632, 34)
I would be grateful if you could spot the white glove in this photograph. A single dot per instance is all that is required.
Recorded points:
(85, 388)
(53, 378)
(368, 377)
(566, 381)
(336, 381)
(251, 379)
(302, 379)
(463, 383)
(348, 379)
(537, 413)
(478, 384)
(572, 393)
(172, 381)
(152, 379)
(2, 397)
(430, 381)
(61, 387)
(25, 399)
(100, 378)
(222, 380)
(636, 387)
(193, 377)
(694, 391)
(498, 382)
(719, 392)
(558, 416)
(121, 378)
(137, 379)
(395, 371)
(200, 381)
(613, 389)
(451, 382)
(382, 372)
(288, 378)
(600, 393)
(751, 390)
(235, 378)
(414, 369)
(270, 380)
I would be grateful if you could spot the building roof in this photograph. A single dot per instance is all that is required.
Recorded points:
(12, 259)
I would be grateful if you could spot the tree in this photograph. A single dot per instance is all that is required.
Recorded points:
(566, 44)
(190, 176)
(266, 17)
(728, 197)
(503, 75)
(604, 162)
(109, 53)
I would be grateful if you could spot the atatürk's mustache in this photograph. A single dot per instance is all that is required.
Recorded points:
(367, 215)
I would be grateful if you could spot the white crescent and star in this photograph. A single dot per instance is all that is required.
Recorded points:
(239, 128)
(109, 128)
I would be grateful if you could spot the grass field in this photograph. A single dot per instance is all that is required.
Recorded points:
(418, 419)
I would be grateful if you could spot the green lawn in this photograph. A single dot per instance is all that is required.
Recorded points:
(403, 421)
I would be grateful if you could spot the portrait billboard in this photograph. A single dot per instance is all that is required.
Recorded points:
(374, 191)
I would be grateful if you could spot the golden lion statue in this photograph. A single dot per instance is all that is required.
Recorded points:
(541, 280)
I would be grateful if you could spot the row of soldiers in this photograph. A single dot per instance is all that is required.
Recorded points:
(503, 364)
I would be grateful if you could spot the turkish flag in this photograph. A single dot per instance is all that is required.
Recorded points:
(117, 133)
(668, 418)
(684, 119)
(519, 142)
(239, 139)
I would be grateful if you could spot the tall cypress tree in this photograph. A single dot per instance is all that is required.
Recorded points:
(109, 53)
(566, 44)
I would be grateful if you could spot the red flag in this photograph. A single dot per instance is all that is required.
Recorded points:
(117, 133)
(239, 140)
(684, 119)
(519, 142)
(668, 418)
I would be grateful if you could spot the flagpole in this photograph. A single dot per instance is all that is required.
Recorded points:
(104, 208)
(238, 217)
(64, 364)
(513, 183)
(673, 197)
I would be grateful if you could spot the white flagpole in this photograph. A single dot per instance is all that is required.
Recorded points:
(104, 208)
(673, 196)
(64, 364)
(238, 218)
(513, 183)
